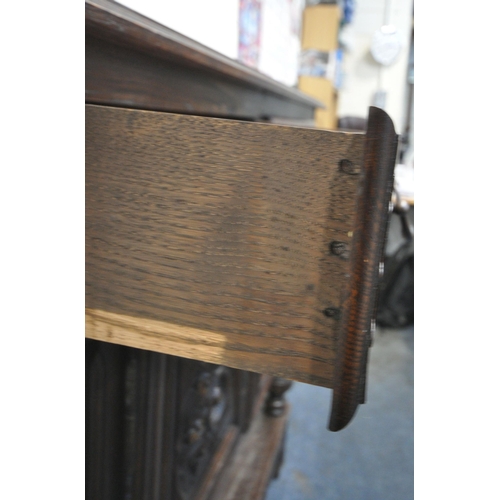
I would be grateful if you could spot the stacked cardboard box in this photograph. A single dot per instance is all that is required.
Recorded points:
(320, 28)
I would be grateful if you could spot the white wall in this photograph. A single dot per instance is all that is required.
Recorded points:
(215, 24)
(211, 23)
(280, 39)
(363, 76)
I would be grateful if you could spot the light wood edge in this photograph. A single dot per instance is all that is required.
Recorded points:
(153, 335)
(185, 342)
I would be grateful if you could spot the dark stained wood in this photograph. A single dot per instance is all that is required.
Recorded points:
(219, 460)
(130, 422)
(368, 246)
(134, 62)
(104, 425)
(140, 408)
(206, 414)
(275, 402)
(151, 380)
(255, 461)
(251, 389)
(211, 239)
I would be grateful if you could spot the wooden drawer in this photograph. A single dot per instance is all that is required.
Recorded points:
(249, 245)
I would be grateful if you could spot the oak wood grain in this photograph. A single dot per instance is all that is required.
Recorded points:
(210, 239)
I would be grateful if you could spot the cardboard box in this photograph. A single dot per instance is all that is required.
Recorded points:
(320, 28)
(321, 89)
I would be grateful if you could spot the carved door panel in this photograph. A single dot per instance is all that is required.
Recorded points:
(158, 426)
(206, 413)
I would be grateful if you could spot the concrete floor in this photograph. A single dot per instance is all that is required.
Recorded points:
(372, 458)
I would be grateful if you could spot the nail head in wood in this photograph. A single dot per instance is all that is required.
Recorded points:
(339, 248)
(332, 312)
(348, 167)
